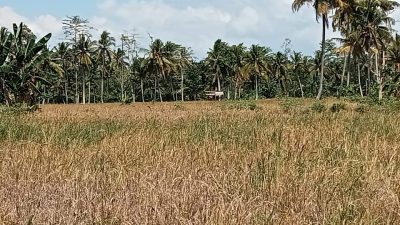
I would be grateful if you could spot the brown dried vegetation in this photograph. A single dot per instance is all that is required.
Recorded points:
(200, 163)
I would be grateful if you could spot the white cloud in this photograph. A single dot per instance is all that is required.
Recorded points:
(8, 16)
(40, 25)
(196, 23)
(246, 21)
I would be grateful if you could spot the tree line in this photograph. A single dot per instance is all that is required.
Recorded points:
(364, 61)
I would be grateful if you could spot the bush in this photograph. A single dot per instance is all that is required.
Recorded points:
(318, 107)
(361, 109)
(243, 105)
(288, 104)
(337, 107)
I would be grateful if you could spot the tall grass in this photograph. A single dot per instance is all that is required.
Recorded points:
(200, 163)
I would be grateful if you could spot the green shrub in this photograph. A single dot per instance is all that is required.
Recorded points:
(337, 107)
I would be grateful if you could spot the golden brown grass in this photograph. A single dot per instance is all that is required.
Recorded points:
(200, 163)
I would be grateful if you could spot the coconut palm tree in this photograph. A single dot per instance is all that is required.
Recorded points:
(120, 65)
(217, 62)
(157, 63)
(394, 53)
(279, 68)
(257, 63)
(297, 61)
(84, 51)
(65, 56)
(322, 9)
(238, 62)
(104, 55)
(184, 60)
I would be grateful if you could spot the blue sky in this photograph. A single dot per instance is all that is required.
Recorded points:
(192, 23)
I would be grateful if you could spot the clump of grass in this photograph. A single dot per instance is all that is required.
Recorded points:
(288, 104)
(318, 107)
(179, 106)
(360, 108)
(241, 105)
(337, 107)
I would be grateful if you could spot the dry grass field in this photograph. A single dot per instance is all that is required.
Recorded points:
(198, 163)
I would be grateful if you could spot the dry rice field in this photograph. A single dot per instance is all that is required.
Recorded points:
(198, 163)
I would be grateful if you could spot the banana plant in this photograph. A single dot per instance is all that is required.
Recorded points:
(23, 62)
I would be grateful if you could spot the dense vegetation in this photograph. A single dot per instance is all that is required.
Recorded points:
(364, 61)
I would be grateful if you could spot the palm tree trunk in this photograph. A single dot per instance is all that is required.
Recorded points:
(159, 92)
(83, 87)
(368, 82)
(219, 86)
(89, 93)
(343, 74)
(155, 89)
(172, 90)
(256, 86)
(379, 78)
(76, 87)
(182, 87)
(359, 80)
(321, 79)
(348, 70)
(141, 89)
(122, 90)
(229, 91)
(66, 91)
(102, 85)
(301, 85)
(236, 88)
(108, 88)
(133, 92)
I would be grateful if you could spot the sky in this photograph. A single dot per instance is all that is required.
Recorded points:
(191, 23)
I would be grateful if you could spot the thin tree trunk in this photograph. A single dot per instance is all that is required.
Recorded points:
(122, 90)
(256, 86)
(343, 74)
(229, 91)
(379, 76)
(172, 90)
(102, 85)
(359, 80)
(83, 87)
(159, 92)
(108, 88)
(321, 79)
(301, 85)
(368, 82)
(219, 87)
(89, 93)
(66, 91)
(236, 88)
(182, 87)
(133, 92)
(76, 88)
(141, 89)
(348, 70)
(155, 89)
